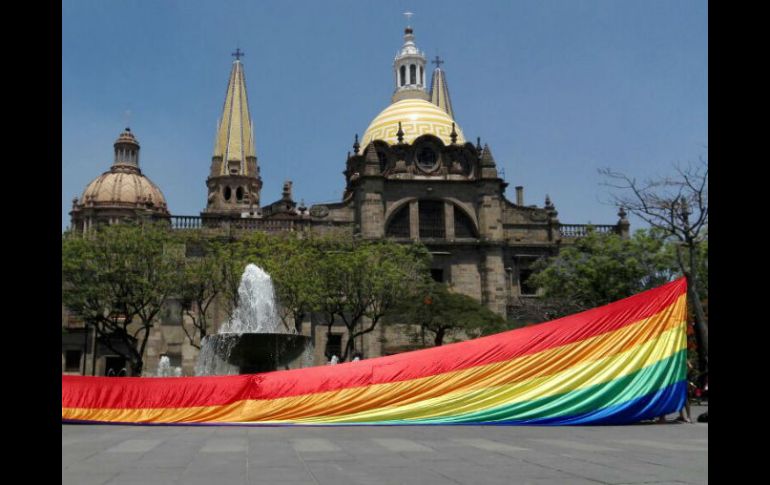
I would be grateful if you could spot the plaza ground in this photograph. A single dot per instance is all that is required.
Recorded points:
(371, 455)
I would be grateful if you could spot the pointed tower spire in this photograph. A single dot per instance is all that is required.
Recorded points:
(371, 155)
(234, 183)
(487, 160)
(235, 141)
(439, 90)
(372, 161)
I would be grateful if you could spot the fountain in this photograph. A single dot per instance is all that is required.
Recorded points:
(164, 366)
(254, 339)
(165, 369)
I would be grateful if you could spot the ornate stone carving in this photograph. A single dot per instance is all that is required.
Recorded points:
(319, 211)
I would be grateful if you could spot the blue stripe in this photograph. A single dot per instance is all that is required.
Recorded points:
(664, 401)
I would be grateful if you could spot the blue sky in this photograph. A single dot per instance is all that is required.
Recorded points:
(557, 88)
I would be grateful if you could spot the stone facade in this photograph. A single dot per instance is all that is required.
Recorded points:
(415, 179)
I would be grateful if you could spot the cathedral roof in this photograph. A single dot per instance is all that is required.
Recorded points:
(124, 186)
(417, 117)
(235, 135)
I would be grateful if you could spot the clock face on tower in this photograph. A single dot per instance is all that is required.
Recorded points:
(426, 158)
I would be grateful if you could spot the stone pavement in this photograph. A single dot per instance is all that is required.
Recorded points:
(374, 455)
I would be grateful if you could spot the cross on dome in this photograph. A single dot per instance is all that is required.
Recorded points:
(238, 54)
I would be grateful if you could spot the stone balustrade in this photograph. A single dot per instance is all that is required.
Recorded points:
(567, 231)
(582, 230)
(267, 225)
(186, 222)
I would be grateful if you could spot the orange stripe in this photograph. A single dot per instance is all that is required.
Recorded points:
(352, 400)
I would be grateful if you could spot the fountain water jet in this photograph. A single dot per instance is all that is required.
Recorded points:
(254, 339)
(165, 369)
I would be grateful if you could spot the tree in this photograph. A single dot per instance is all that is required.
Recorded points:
(293, 266)
(204, 279)
(678, 207)
(442, 313)
(117, 279)
(362, 281)
(601, 268)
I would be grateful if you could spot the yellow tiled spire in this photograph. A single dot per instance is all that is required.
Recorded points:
(439, 91)
(235, 135)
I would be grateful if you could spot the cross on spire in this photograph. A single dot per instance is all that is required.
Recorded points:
(238, 54)
(437, 61)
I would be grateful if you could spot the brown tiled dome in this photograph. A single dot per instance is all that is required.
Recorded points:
(124, 187)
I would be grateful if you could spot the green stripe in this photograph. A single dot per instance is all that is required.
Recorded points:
(617, 391)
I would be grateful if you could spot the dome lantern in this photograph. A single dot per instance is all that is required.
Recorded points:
(409, 69)
(126, 150)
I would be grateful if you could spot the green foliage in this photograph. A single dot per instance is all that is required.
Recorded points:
(602, 268)
(444, 313)
(293, 265)
(700, 256)
(117, 279)
(346, 279)
(206, 275)
(362, 281)
(677, 207)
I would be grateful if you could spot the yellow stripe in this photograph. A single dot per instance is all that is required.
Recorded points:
(576, 378)
(451, 403)
(342, 403)
(429, 118)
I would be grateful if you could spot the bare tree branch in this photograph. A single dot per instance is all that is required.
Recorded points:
(678, 207)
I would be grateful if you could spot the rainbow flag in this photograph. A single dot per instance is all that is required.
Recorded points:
(616, 364)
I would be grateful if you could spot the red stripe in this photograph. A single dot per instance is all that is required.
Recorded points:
(110, 392)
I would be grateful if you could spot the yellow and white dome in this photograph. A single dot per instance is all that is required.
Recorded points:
(418, 117)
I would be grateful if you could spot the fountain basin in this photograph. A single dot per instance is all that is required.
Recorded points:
(250, 353)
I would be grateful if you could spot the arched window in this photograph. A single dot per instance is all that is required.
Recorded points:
(413, 74)
(432, 219)
(463, 224)
(422, 77)
(228, 192)
(239, 194)
(399, 224)
(403, 75)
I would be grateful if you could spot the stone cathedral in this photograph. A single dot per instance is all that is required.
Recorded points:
(412, 176)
